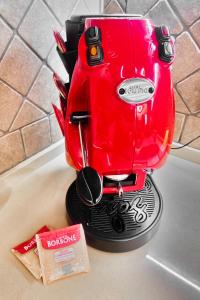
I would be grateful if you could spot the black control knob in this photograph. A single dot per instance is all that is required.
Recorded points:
(93, 35)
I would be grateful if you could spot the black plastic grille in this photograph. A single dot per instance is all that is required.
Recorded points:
(117, 217)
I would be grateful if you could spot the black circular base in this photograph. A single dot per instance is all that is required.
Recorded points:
(118, 224)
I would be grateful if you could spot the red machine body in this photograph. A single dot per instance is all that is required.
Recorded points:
(121, 137)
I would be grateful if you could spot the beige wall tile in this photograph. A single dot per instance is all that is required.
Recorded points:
(123, 3)
(21, 74)
(139, 7)
(187, 57)
(179, 121)
(162, 13)
(44, 92)
(189, 10)
(19, 66)
(37, 28)
(5, 35)
(13, 10)
(190, 91)
(27, 114)
(113, 8)
(82, 8)
(191, 130)
(95, 7)
(180, 105)
(106, 2)
(56, 133)
(12, 151)
(55, 63)
(10, 102)
(61, 8)
(195, 29)
(36, 136)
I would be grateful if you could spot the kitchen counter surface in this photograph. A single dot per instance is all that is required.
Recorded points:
(168, 267)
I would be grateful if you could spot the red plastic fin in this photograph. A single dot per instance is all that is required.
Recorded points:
(60, 42)
(60, 85)
(59, 117)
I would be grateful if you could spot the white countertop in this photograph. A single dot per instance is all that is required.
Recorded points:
(168, 267)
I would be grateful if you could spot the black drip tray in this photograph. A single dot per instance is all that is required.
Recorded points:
(118, 224)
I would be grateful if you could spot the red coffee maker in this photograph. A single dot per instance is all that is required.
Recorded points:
(117, 117)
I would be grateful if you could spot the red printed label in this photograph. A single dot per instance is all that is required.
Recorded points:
(30, 244)
(60, 238)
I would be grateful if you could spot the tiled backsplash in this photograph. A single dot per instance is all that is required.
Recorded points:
(28, 59)
(183, 18)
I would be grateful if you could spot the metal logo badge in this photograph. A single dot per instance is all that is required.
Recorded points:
(135, 90)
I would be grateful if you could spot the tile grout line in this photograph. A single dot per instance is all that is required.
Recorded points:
(196, 44)
(23, 142)
(50, 131)
(25, 96)
(186, 26)
(31, 123)
(25, 13)
(74, 8)
(120, 5)
(179, 17)
(43, 63)
(39, 107)
(196, 20)
(193, 37)
(15, 30)
(148, 10)
(126, 2)
(16, 33)
(28, 161)
(52, 12)
(9, 42)
(28, 123)
(20, 128)
(182, 129)
(104, 7)
(175, 87)
(29, 46)
(186, 77)
(85, 2)
(153, 6)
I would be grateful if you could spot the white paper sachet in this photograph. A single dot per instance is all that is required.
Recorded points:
(62, 253)
(26, 252)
